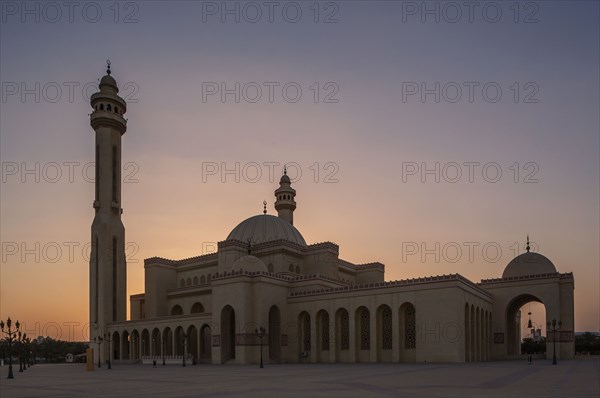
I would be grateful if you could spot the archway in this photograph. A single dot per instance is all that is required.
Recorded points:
(205, 343)
(227, 334)
(384, 334)
(177, 310)
(408, 338)
(168, 342)
(125, 346)
(363, 334)
(156, 343)
(517, 320)
(192, 343)
(135, 345)
(197, 308)
(342, 335)
(180, 342)
(274, 334)
(322, 336)
(145, 342)
(115, 346)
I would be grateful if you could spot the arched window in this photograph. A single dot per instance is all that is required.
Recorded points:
(195, 280)
(410, 327)
(188, 282)
(101, 107)
(108, 107)
(297, 269)
(197, 308)
(116, 109)
(386, 328)
(344, 329)
(177, 310)
(203, 279)
(365, 329)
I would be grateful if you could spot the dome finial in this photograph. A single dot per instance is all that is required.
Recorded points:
(108, 67)
(284, 170)
(264, 207)
(527, 244)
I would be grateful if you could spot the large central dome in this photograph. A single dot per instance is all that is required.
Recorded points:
(266, 228)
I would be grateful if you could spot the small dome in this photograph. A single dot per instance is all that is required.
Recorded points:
(528, 264)
(266, 228)
(285, 179)
(108, 80)
(250, 264)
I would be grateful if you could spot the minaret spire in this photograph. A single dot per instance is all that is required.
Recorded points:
(528, 248)
(284, 195)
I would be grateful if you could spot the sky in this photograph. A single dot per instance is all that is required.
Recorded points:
(429, 136)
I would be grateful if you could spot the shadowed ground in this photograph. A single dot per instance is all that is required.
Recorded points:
(576, 378)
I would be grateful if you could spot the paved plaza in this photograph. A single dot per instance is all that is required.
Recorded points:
(576, 378)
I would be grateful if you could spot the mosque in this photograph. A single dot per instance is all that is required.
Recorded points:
(267, 294)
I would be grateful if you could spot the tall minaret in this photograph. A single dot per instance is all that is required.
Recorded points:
(284, 195)
(108, 301)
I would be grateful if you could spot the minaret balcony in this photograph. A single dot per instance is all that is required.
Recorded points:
(104, 118)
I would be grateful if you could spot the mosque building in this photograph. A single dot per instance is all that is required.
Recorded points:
(268, 293)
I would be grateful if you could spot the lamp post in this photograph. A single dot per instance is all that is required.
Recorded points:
(553, 327)
(98, 340)
(11, 336)
(107, 338)
(261, 333)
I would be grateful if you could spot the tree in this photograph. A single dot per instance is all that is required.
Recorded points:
(587, 343)
(529, 345)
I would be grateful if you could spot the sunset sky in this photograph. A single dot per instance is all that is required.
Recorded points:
(510, 88)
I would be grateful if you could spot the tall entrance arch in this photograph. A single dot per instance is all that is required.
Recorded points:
(531, 277)
(513, 323)
(227, 334)
(274, 334)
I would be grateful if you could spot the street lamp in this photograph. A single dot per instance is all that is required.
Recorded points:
(11, 336)
(552, 327)
(261, 333)
(106, 337)
(98, 340)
